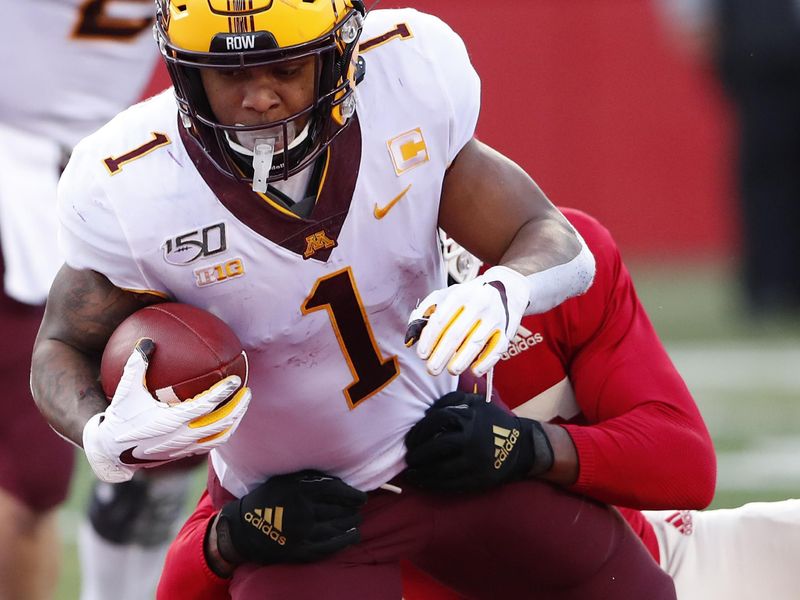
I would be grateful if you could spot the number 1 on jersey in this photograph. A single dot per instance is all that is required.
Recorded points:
(337, 293)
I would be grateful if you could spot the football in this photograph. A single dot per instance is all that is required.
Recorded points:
(194, 349)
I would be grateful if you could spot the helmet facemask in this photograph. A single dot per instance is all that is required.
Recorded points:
(273, 151)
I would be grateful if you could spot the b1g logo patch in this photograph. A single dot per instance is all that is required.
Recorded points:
(408, 150)
(219, 273)
(191, 246)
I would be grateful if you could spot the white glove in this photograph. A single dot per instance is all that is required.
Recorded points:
(137, 431)
(469, 323)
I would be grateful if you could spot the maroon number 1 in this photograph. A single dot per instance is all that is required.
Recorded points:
(337, 293)
(114, 163)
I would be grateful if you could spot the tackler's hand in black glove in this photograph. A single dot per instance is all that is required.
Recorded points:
(300, 517)
(464, 443)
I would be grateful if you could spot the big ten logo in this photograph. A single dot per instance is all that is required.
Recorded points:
(218, 273)
(200, 243)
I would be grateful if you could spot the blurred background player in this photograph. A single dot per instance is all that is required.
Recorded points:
(755, 50)
(92, 59)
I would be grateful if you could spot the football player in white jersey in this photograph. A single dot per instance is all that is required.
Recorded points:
(304, 213)
(84, 61)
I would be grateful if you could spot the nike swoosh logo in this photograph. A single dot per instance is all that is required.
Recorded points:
(381, 212)
(127, 458)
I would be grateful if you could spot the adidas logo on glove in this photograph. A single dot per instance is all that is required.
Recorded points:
(268, 521)
(504, 440)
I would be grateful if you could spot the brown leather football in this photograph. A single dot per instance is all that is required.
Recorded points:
(194, 349)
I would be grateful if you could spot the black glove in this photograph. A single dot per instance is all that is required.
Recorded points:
(464, 443)
(300, 517)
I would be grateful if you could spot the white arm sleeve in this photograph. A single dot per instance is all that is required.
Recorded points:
(551, 287)
(544, 290)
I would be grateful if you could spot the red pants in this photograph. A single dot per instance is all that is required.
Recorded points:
(522, 540)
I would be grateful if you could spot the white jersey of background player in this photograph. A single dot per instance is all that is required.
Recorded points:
(308, 322)
(84, 61)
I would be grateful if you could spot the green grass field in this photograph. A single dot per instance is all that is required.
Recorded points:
(744, 376)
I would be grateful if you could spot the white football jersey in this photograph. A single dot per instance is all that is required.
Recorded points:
(71, 65)
(320, 304)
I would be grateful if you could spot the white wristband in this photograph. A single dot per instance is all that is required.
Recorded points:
(549, 288)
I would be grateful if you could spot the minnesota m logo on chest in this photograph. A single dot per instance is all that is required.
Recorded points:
(317, 241)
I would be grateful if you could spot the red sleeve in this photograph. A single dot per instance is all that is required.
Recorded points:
(646, 445)
(186, 574)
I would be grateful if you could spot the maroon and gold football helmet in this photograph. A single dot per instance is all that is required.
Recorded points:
(238, 34)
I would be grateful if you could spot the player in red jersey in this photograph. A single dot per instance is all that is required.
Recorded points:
(623, 427)
(595, 367)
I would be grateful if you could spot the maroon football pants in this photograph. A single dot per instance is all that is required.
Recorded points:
(35, 464)
(522, 540)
